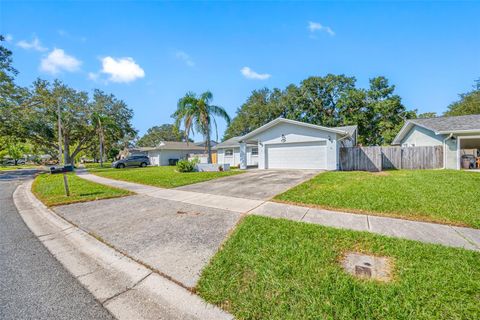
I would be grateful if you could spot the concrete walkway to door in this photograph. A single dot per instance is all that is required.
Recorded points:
(466, 238)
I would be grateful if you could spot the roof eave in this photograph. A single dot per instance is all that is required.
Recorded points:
(279, 120)
(401, 134)
(459, 131)
(234, 145)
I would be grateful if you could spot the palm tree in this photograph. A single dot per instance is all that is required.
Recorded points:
(197, 115)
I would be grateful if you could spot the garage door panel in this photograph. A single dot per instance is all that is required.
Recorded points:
(305, 155)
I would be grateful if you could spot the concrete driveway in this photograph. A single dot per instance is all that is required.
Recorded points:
(175, 238)
(254, 184)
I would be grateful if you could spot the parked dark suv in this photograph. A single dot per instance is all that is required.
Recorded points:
(132, 161)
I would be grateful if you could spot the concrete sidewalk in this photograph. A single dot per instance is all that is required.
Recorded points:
(452, 236)
(466, 238)
(234, 204)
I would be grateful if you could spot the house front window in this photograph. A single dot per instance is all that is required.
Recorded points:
(255, 151)
(228, 152)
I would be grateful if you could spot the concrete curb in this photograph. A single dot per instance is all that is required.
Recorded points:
(126, 288)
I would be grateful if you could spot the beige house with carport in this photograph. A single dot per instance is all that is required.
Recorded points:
(459, 136)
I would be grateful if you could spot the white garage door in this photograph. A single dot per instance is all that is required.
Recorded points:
(305, 155)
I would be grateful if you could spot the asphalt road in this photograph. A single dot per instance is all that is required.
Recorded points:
(33, 284)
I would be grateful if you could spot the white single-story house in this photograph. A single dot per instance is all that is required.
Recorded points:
(459, 136)
(228, 152)
(166, 150)
(288, 144)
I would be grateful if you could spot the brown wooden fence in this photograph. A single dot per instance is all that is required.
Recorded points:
(381, 158)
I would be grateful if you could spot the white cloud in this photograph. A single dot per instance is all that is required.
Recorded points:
(250, 74)
(57, 61)
(121, 69)
(34, 45)
(8, 38)
(93, 76)
(65, 34)
(315, 26)
(185, 57)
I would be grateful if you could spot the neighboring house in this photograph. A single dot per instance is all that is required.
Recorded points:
(288, 144)
(228, 152)
(166, 150)
(459, 136)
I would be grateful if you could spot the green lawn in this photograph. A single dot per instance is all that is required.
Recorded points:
(443, 196)
(279, 269)
(163, 176)
(96, 165)
(50, 190)
(10, 168)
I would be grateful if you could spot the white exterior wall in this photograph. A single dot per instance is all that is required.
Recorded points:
(235, 159)
(251, 159)
(451, 156)
(421, 137)
(160, 157)
(295, 134)
(203, 158)
(154, 157)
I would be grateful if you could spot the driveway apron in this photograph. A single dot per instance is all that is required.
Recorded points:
(175, 238)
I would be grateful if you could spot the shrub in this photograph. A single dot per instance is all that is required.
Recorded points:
(187, 165)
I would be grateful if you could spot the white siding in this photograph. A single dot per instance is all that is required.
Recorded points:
(420, 137)
(451, 156)
(252, 160)
(154, 157)
(160, 157)
(234, 160)
(298, 134)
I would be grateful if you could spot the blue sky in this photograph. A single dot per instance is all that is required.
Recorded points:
(151, 53)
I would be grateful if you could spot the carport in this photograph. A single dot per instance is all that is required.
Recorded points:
(468, 152)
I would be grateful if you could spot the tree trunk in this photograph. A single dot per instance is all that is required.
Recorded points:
(209, 147)
(66, 151)
(101, 148)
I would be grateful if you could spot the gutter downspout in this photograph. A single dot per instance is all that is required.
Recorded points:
(445, 150)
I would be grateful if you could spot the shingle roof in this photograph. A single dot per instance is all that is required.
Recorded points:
(202, 143)
(232, 142)
(229, 142)
(450, 124)
(171, 145)
(299, 123)
(348, 129)
(441, 125)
